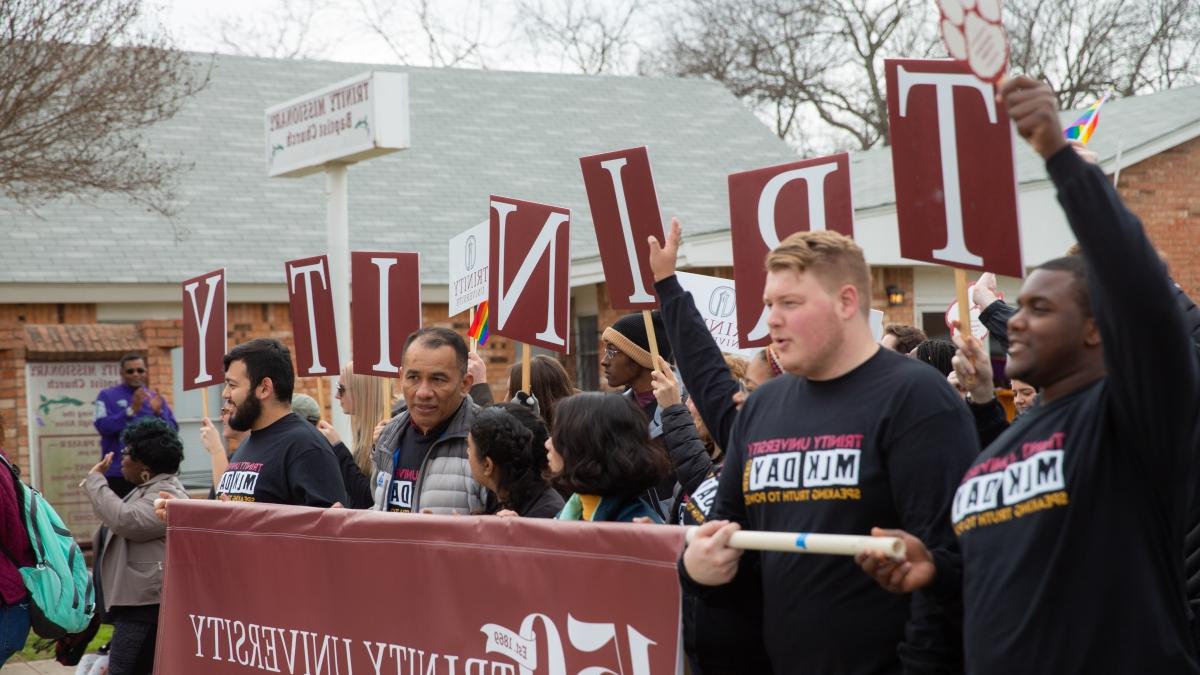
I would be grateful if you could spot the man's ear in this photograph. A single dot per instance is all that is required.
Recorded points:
(1091, 333)
(847, 301)
(468, 382)
(265, 389)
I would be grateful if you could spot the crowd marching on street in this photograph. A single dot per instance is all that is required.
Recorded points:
(1058, 542)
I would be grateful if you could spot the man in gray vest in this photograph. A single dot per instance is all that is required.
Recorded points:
(420, 460)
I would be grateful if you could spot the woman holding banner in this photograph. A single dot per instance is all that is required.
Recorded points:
(134, 547)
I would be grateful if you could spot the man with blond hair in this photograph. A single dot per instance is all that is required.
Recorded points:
(852, 434)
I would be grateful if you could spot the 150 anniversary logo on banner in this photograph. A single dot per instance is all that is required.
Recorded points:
(478, 595)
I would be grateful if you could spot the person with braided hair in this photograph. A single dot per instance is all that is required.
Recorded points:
(505, 460)
(135, 542)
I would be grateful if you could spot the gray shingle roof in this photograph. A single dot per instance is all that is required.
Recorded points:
(474, 133)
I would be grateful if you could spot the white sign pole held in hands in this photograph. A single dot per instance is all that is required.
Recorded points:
(807, 542)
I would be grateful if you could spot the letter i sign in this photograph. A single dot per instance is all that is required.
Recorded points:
(620, 190)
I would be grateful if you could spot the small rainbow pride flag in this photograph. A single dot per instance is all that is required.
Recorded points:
(1085, 126)
(479, 327)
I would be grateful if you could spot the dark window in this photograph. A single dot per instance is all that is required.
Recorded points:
(587, 354)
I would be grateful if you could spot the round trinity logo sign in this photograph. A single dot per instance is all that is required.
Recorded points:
(470, 253)
(720, 303)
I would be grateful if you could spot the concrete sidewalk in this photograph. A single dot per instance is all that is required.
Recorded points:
(37, 668)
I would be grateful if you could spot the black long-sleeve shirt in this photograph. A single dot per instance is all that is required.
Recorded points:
(883, 445)
(1072, 522)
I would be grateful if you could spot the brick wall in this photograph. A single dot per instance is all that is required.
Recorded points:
(1162, 192)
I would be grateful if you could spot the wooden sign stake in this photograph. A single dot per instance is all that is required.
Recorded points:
(470, 323)
(526, 366)
(204, 403)
(651, 338)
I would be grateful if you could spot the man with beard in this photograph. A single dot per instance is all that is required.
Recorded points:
(1071, 523)
(118, 406)
(285, 460)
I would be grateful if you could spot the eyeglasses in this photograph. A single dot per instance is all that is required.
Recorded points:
(131, 371)
(610, 351)
(341, 389)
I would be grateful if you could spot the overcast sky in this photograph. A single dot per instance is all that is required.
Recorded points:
(340, 32)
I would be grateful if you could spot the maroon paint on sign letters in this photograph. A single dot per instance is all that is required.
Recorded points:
(401, 316)
(789, 185)
(982, 232)
(311, 298)
(204, 308)
(535, 244)
(622, 240)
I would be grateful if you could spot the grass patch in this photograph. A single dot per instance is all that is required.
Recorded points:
(37, 649)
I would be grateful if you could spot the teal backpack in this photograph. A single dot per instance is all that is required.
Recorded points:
(61, 597)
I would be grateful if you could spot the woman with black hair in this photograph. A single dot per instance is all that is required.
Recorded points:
(131, 564)
(504, 459)
(600, 450)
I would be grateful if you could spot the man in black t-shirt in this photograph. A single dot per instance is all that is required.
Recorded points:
(1071, 522)
(852, 432)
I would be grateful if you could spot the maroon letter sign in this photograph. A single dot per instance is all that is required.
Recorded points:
(768, 205)
(529, 284)
(952, 155)
(204, 330)
(249, 590)
(385, 307)
(311, 301)
(620, 190)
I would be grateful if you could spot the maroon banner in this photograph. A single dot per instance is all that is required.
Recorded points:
(620, 190)
(952, 156)
(204, 330)
(297, 590)
(385, 307)
(529, 278)
(311, 300)
(768, 205)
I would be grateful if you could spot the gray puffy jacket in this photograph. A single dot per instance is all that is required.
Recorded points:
(444, 484)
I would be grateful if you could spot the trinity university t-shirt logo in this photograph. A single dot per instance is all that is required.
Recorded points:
(1014, 485)
(239, 481)
(400, 494)
(804, 468)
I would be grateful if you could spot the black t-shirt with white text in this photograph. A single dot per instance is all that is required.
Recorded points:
(883, 445)
(408, 456)
(288, 462)
(1072, 521)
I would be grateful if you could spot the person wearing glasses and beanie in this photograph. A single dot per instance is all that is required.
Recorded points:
(118, 406)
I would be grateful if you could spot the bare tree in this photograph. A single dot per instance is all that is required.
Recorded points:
(814, 68)
(285, 32)
(590, 37)
(79, 81)
(1086, 47)
(402, 23)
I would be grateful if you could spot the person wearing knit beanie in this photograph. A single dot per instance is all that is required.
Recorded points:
(630, 366)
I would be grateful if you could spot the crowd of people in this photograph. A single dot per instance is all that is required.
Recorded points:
(1057, 541)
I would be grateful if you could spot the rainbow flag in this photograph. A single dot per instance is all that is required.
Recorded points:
(479, 327)
(1085, 126)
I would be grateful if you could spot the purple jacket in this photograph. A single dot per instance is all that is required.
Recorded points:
(14, 540)
(112, 418)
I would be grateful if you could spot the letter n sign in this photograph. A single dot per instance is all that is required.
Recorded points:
(311, 300)
(767, 206)
(385, 307)
(952, 156)
(204, 330)
(529, 284)
(620, 190)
